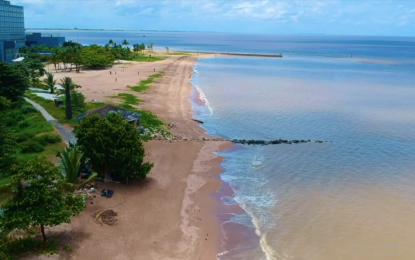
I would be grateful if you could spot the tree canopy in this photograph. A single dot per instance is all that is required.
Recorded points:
(38, 198)
(96, 56)
(14, 81)
(8, 150)
(34, 68)
(113, 145)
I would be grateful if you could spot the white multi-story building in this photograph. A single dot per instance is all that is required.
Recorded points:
(12, 30)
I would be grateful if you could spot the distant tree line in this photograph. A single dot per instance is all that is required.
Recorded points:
(72, 55)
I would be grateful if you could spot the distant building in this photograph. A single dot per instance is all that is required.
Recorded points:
(50, 40)
(12, 30)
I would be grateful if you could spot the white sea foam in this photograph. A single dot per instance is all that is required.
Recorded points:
(256, 163)
(221, 254)
(203, 97)
(269, 252)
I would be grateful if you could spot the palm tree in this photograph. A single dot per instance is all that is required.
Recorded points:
(54, 57)
(125, 42)
(111, 42)
(49, 82)
(68, 85)
(167, 49)
(71, 160)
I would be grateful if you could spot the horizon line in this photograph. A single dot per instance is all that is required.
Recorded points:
(149, 30)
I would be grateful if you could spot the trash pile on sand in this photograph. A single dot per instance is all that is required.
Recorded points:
(107, 217)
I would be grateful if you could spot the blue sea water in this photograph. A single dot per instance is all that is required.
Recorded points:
(309, 201)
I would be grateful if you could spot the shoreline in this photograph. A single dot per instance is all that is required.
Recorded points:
(170, 215)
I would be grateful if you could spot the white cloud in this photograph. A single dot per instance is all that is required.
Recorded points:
(296, 13)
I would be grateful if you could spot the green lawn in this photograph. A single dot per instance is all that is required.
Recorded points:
(29, 127)
(128, 98)
(36, 126)
(59, 112)
(145, 84)
(146, 57)
(180, 53)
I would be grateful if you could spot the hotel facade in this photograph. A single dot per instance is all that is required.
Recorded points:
(12, 30)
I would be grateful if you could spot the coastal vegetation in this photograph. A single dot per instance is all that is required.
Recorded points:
(59, 113)
(38, 176)
(145, 84)
(74, 55)
(122, 159)
(38, 198)
(69, 88)
(128, 99)
(72, 159)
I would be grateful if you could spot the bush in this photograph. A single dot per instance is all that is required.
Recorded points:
(11, 118)
(23, 123)
(49, 139)
(32, 146)
(23, 137)
(14, 249)
(26, 109)
(78, 102)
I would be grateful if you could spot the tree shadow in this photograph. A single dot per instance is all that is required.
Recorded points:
(70, 241)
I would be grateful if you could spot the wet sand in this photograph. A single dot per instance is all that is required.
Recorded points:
(170, 214)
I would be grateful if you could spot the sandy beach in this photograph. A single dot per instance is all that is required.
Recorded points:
(168, 215)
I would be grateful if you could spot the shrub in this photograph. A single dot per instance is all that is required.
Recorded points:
(78, 102)
(48, 139)
(11, 118)
(23, 123)
(14, 249)
(23, 137)
(32, 146)
(26, 109)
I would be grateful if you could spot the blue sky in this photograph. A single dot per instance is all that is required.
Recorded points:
(350, 17)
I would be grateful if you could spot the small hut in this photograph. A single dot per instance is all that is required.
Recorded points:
(132, 117)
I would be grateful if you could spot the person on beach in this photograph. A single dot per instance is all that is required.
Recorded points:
(154, 70)
(138, 73)
(110, 72)
(115, 79)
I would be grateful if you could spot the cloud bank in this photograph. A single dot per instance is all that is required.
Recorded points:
(364, 17)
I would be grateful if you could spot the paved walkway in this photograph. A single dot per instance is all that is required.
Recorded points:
(68, 136)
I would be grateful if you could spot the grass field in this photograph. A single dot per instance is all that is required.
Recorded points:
(59, 112)
(147, 57)
(28, 127)
(145, 84)
(37, 126)
(129, 99)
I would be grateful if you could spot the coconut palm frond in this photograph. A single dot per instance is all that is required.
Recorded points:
(71, 162)
(90, 179)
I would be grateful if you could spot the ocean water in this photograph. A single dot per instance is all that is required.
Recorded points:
(351, 198)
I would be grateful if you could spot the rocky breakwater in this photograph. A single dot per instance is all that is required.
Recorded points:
(176, 138)
(279, 141)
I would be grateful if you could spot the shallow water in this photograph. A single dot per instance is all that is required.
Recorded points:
(316, 201)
